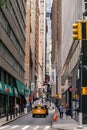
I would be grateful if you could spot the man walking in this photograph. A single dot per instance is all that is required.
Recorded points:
(61, 108)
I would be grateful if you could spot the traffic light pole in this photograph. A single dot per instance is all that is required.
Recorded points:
(80, 87)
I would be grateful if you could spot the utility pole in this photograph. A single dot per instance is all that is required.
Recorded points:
(80, 91)
(80, 34)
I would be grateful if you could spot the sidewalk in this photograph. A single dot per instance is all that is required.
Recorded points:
(67, 124)
(3, 120)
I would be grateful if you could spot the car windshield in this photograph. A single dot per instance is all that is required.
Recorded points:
(39, 107)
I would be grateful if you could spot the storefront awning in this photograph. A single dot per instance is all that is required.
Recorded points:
(2, 87)
(6, 89)
(27, 93)
(10, 90)
(21, 87)
(15, 92)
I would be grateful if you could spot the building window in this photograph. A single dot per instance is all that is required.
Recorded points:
(85, 1)
(41, 1)
(11, 60)
(85, 6)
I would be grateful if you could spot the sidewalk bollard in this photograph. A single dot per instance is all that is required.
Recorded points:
(10, 116)
(16, 112)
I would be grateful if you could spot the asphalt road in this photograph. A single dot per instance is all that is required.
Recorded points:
(29, 123)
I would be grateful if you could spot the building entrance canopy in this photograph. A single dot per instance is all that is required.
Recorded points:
(15, 92)
(21, 87)
(6, 89)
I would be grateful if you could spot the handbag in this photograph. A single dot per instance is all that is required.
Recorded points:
(55, 117)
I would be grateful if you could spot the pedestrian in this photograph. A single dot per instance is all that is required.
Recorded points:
(77, 111)
(58, 108)
(27, 106)
(67, 112)
(61, 110)
(17, 108)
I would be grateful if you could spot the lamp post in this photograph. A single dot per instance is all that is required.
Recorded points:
(7, 108)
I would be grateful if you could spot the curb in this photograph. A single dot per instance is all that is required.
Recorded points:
(13, 119)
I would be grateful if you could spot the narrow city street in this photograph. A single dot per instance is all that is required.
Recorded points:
(29, 123)
(43, 64)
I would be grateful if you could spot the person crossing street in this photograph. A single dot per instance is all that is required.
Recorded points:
(61, 110)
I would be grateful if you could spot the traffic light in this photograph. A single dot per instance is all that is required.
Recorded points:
(80, 30)
(57, 96)
(77, 31)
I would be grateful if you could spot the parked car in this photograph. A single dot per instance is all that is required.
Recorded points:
(39, 110)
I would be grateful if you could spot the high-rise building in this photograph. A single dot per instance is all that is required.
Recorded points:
(42, 7)
(34, 46)
(33, 76)
(37, 49)
(71, 54)
(56, 41)
(48, 36)
(12, 54)
(27, 49)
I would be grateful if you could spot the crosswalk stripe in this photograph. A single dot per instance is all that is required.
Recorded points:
(3, 127)
(14, 127)
(35, 128)
(46, 127)
(25, 127)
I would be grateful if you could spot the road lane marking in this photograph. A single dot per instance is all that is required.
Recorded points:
(46, 128)
(35, 128)
(27, 126)
(14, 127)
(4, 127)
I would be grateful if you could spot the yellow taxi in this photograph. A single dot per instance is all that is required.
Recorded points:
(39, 110)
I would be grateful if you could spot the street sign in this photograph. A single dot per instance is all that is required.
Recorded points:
(84, 90)
(32, 86)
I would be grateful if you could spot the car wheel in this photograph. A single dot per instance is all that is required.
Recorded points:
(47, 114)
(44, 116)
(33, 115)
